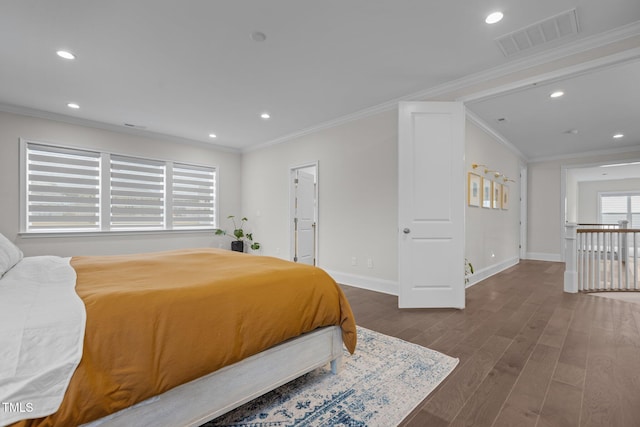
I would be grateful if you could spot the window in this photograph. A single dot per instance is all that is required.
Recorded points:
(193, 195)
(63, 189)
(75, 190)
(137, 199)
(620, 206)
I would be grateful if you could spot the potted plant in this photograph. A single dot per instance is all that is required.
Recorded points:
(239, 235)
(468, 270)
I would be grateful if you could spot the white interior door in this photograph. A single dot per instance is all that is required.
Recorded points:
(431, 204)
(304, 217)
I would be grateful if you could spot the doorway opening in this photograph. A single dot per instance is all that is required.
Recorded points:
(583, 184)
(303, 190)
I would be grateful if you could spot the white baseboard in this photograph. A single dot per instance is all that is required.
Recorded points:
(480, 275)
(392, 288)
(540, 256)
(370, 283)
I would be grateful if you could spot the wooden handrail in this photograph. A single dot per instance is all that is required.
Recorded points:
(608, 230)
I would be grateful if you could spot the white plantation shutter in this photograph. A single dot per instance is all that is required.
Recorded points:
(193, 196)
(62, 189)
(137, 193)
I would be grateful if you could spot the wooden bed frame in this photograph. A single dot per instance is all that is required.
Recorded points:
(208, 397)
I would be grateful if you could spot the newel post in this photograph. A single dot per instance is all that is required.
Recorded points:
(571, 259)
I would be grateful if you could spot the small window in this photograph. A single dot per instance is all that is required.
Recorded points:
(75, 190)
(193, 195)
(615, 207)
(137, 194)
(63, 189)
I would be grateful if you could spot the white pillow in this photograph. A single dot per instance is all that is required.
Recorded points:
(10, 254)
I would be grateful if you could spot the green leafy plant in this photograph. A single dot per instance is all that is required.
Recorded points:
(238, 232)
(468, 269)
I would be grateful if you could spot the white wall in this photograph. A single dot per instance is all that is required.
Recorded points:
(543, 216)
(357, 181)
(545, 222)
(588, 196)
(358, 194)
(572, 197)
(14, 126)
(492, 235)
(357, 185)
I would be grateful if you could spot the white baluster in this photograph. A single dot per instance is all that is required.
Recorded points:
(619, 282)
(635, 261)
(598, 260)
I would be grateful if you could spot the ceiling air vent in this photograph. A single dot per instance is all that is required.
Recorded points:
(554, 28)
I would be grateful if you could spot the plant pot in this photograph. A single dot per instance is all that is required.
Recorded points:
(237, 245)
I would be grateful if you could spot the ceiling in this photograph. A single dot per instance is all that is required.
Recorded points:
(607, 172)
(190, 69)
(595, 106)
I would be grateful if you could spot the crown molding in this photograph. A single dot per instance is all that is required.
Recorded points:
(585, 154)
(598, 163)
(582, 68)
(496, 135)
(47, 115)
(560, 52)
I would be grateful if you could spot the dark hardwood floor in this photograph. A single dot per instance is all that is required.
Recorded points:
(530, 355)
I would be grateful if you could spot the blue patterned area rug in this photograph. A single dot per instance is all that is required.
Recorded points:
(379, 385)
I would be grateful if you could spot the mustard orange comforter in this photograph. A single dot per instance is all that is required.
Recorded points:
(155, 321)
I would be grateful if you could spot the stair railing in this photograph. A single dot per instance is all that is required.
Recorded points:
(601, 257)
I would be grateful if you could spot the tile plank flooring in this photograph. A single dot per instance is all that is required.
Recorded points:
(530, 355)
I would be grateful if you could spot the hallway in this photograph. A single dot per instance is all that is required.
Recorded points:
(530, 355)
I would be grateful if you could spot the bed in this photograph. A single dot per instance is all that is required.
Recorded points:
(177, 338)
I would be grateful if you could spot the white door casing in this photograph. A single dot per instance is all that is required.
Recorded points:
(431, 195)
(304, 213)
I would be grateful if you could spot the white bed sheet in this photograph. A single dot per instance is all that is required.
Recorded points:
(42, 323)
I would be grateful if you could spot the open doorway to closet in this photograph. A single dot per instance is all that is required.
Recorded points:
(303, 188)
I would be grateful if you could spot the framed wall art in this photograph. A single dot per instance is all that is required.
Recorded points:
(505, 197)
(474, 189)
(496, 200)
(487, 188)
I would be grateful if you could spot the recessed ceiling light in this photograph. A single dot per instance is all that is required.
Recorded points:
(557, 94)
(257, 36)
(65, 54)
(618, 135)
(213, 135)
(494, 17)
(265, 116)
(73, 105)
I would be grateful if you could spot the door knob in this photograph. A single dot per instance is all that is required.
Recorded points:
(406, 231)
